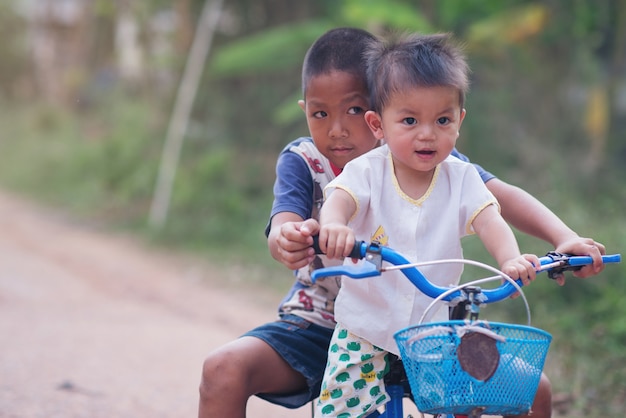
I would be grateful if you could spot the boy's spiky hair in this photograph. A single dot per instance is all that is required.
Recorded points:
(415, 60)
(340, 49)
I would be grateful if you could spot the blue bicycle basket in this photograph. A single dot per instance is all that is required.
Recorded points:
(440, 384)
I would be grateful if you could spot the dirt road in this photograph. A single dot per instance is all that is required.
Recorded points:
(94, 325)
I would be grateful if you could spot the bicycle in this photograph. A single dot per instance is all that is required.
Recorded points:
(462, 367)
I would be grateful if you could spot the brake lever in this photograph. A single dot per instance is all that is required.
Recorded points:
(372, 267)
(361, 271)
(555, 272)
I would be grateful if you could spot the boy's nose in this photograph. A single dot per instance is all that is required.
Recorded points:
(425, 133)
(337, 130)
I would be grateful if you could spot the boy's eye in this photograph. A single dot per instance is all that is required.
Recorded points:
(355, 110)
(444, 120)
(410, 121)
(320, 114)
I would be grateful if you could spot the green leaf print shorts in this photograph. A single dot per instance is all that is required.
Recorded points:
(353, 383)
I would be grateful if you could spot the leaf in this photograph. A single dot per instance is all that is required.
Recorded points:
(266, 52)
(389, 14)
(509, 27)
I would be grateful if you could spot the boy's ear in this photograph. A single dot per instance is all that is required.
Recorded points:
(301, 104)
(463, 113)
(461, 118)
(375, 123)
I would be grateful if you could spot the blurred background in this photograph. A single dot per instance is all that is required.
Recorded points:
(165, 118)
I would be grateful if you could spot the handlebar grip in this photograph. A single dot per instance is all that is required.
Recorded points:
(355, 253)
(316, 244)
(581, 260)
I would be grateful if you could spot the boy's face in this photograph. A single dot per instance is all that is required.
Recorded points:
(420, 125)
(334, 106)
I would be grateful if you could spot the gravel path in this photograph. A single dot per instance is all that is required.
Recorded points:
(94, 325)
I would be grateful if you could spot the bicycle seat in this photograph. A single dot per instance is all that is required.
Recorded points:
(397, 375)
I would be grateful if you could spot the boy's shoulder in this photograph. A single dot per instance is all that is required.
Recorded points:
(303, 146)
(459, 169)
(303, 141)
(455, 161)
(301, 153)
(380, 152)
(372, 158)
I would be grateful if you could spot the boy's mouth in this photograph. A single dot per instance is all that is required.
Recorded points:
(425, 152)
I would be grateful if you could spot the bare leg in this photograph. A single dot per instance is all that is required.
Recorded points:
(238, 370)
(542, 405)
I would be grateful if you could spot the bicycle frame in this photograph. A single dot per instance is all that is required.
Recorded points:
(464, 296)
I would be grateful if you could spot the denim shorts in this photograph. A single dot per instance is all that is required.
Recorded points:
(304, 346)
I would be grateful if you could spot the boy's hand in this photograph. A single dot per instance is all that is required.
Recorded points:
(586, 247)
(522, 267)
(336, 240)
(294, 241)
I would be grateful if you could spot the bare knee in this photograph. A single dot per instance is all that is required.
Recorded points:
(240, 369)
(223, 390)
(542, 405)
(210, 387)
(222, 376)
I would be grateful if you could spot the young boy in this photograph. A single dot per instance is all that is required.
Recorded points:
(412, 195)
(283, 361)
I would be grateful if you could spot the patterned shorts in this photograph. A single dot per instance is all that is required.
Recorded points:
(353, 381)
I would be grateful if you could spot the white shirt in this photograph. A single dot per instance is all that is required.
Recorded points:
(426, 229)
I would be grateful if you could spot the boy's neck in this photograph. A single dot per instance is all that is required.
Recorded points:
(336, 170)
(413, 183)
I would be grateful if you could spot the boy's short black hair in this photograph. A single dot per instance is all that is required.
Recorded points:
(415, 60)
(340, 49)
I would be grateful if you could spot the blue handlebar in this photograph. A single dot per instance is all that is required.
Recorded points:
(416, 277)
(582, 260)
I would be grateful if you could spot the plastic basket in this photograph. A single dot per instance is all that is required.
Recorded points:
(441, 386)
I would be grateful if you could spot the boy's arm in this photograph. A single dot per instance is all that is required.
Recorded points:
(527, 214)
(499, 240)
(530, 216)
(336, 238)
(293, 202)
(290, 239)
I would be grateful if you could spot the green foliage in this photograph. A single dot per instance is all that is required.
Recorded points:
(390, 14)
(509, 26)
(13, 49)
(287, 112)
(273, 50)
(102, 165)
(78, 159)
(222, 189)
